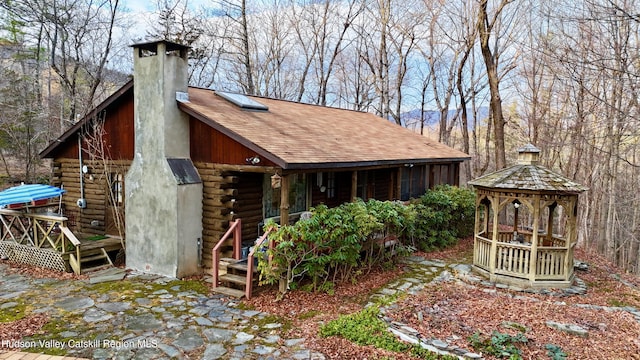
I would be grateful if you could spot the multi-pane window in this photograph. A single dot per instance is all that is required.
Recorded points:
(297, 196)
(331, 185)
(116, 181)
(412, 182)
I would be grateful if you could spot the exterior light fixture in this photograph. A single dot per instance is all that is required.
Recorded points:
(254, 160)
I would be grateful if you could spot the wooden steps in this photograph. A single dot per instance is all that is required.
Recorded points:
(229, 291)
(235, 279)
(96, 257)
(232, 277)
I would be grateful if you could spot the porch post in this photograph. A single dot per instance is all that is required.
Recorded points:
(399, 184)
(354, 185)
(284, 200)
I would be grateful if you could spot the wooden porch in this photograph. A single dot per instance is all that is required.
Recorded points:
(44, 240)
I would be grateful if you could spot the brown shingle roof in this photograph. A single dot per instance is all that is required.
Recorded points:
(296, 135)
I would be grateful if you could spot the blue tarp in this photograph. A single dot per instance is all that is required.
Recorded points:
(26, 194)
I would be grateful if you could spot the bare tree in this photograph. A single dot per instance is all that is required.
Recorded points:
(238, 39)
(78, 35)
(486, 26)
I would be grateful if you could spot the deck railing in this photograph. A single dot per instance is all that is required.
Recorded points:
(41, 231)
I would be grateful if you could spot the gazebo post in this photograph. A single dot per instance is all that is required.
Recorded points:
(495, 204)
(549, 237)
(571, 236)
(533, 261)
(515, 216)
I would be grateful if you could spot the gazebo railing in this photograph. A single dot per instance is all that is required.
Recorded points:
(551, 263)
(482, 252)
(514, 259)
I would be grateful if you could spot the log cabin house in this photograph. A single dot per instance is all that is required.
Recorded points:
(185, 161)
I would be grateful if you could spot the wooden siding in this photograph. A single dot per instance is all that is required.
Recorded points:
(211, 146)
(66, 173)
(118, 132)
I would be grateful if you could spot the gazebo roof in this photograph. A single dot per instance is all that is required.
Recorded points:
(529, 175)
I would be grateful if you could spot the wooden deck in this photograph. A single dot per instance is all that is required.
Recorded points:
(44, 240)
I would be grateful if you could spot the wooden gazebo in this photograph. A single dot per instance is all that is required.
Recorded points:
(525, 226)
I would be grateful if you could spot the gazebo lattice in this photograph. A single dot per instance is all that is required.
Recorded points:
(525, 226)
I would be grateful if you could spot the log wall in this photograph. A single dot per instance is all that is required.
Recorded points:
(228, 195)
(66, 173)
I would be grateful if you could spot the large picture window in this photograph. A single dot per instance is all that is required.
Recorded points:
(297, 196)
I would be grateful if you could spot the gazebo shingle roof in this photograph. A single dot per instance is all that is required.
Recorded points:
(528, 175)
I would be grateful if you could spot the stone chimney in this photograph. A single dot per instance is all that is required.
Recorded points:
(163, 204)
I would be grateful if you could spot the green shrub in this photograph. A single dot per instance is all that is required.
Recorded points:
(336, 243)
(442, 215)
(555, 352)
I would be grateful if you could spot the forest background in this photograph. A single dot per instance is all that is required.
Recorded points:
(483, 76)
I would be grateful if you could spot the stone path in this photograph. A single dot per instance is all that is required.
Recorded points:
(144, 317)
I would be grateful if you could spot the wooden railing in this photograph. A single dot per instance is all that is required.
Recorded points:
(514, 259)
(482, 252)
(250, 258)
(235, 229)
(527, 237)
(74, 256)
(41, 230)
(551, 264)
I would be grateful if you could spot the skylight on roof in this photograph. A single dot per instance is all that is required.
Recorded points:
(242, 101)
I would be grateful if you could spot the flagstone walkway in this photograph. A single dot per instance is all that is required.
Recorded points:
(142, 317)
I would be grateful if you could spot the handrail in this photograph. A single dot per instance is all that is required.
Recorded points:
(235, 228)
(256, 246)
(74, 261)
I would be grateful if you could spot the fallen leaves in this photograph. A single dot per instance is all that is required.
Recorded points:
(453, 312)
(12, 332)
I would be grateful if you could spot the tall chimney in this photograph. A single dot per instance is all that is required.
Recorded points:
(163, 204)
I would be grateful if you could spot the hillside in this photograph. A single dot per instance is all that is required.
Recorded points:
(453, 311)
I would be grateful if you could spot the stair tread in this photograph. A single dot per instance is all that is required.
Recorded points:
(236, 279)
(95, 268)
(242, 266)
(228, 291)
(93, 258)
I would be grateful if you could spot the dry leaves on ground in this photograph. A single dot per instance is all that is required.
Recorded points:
(16, 330)
(456, 311)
